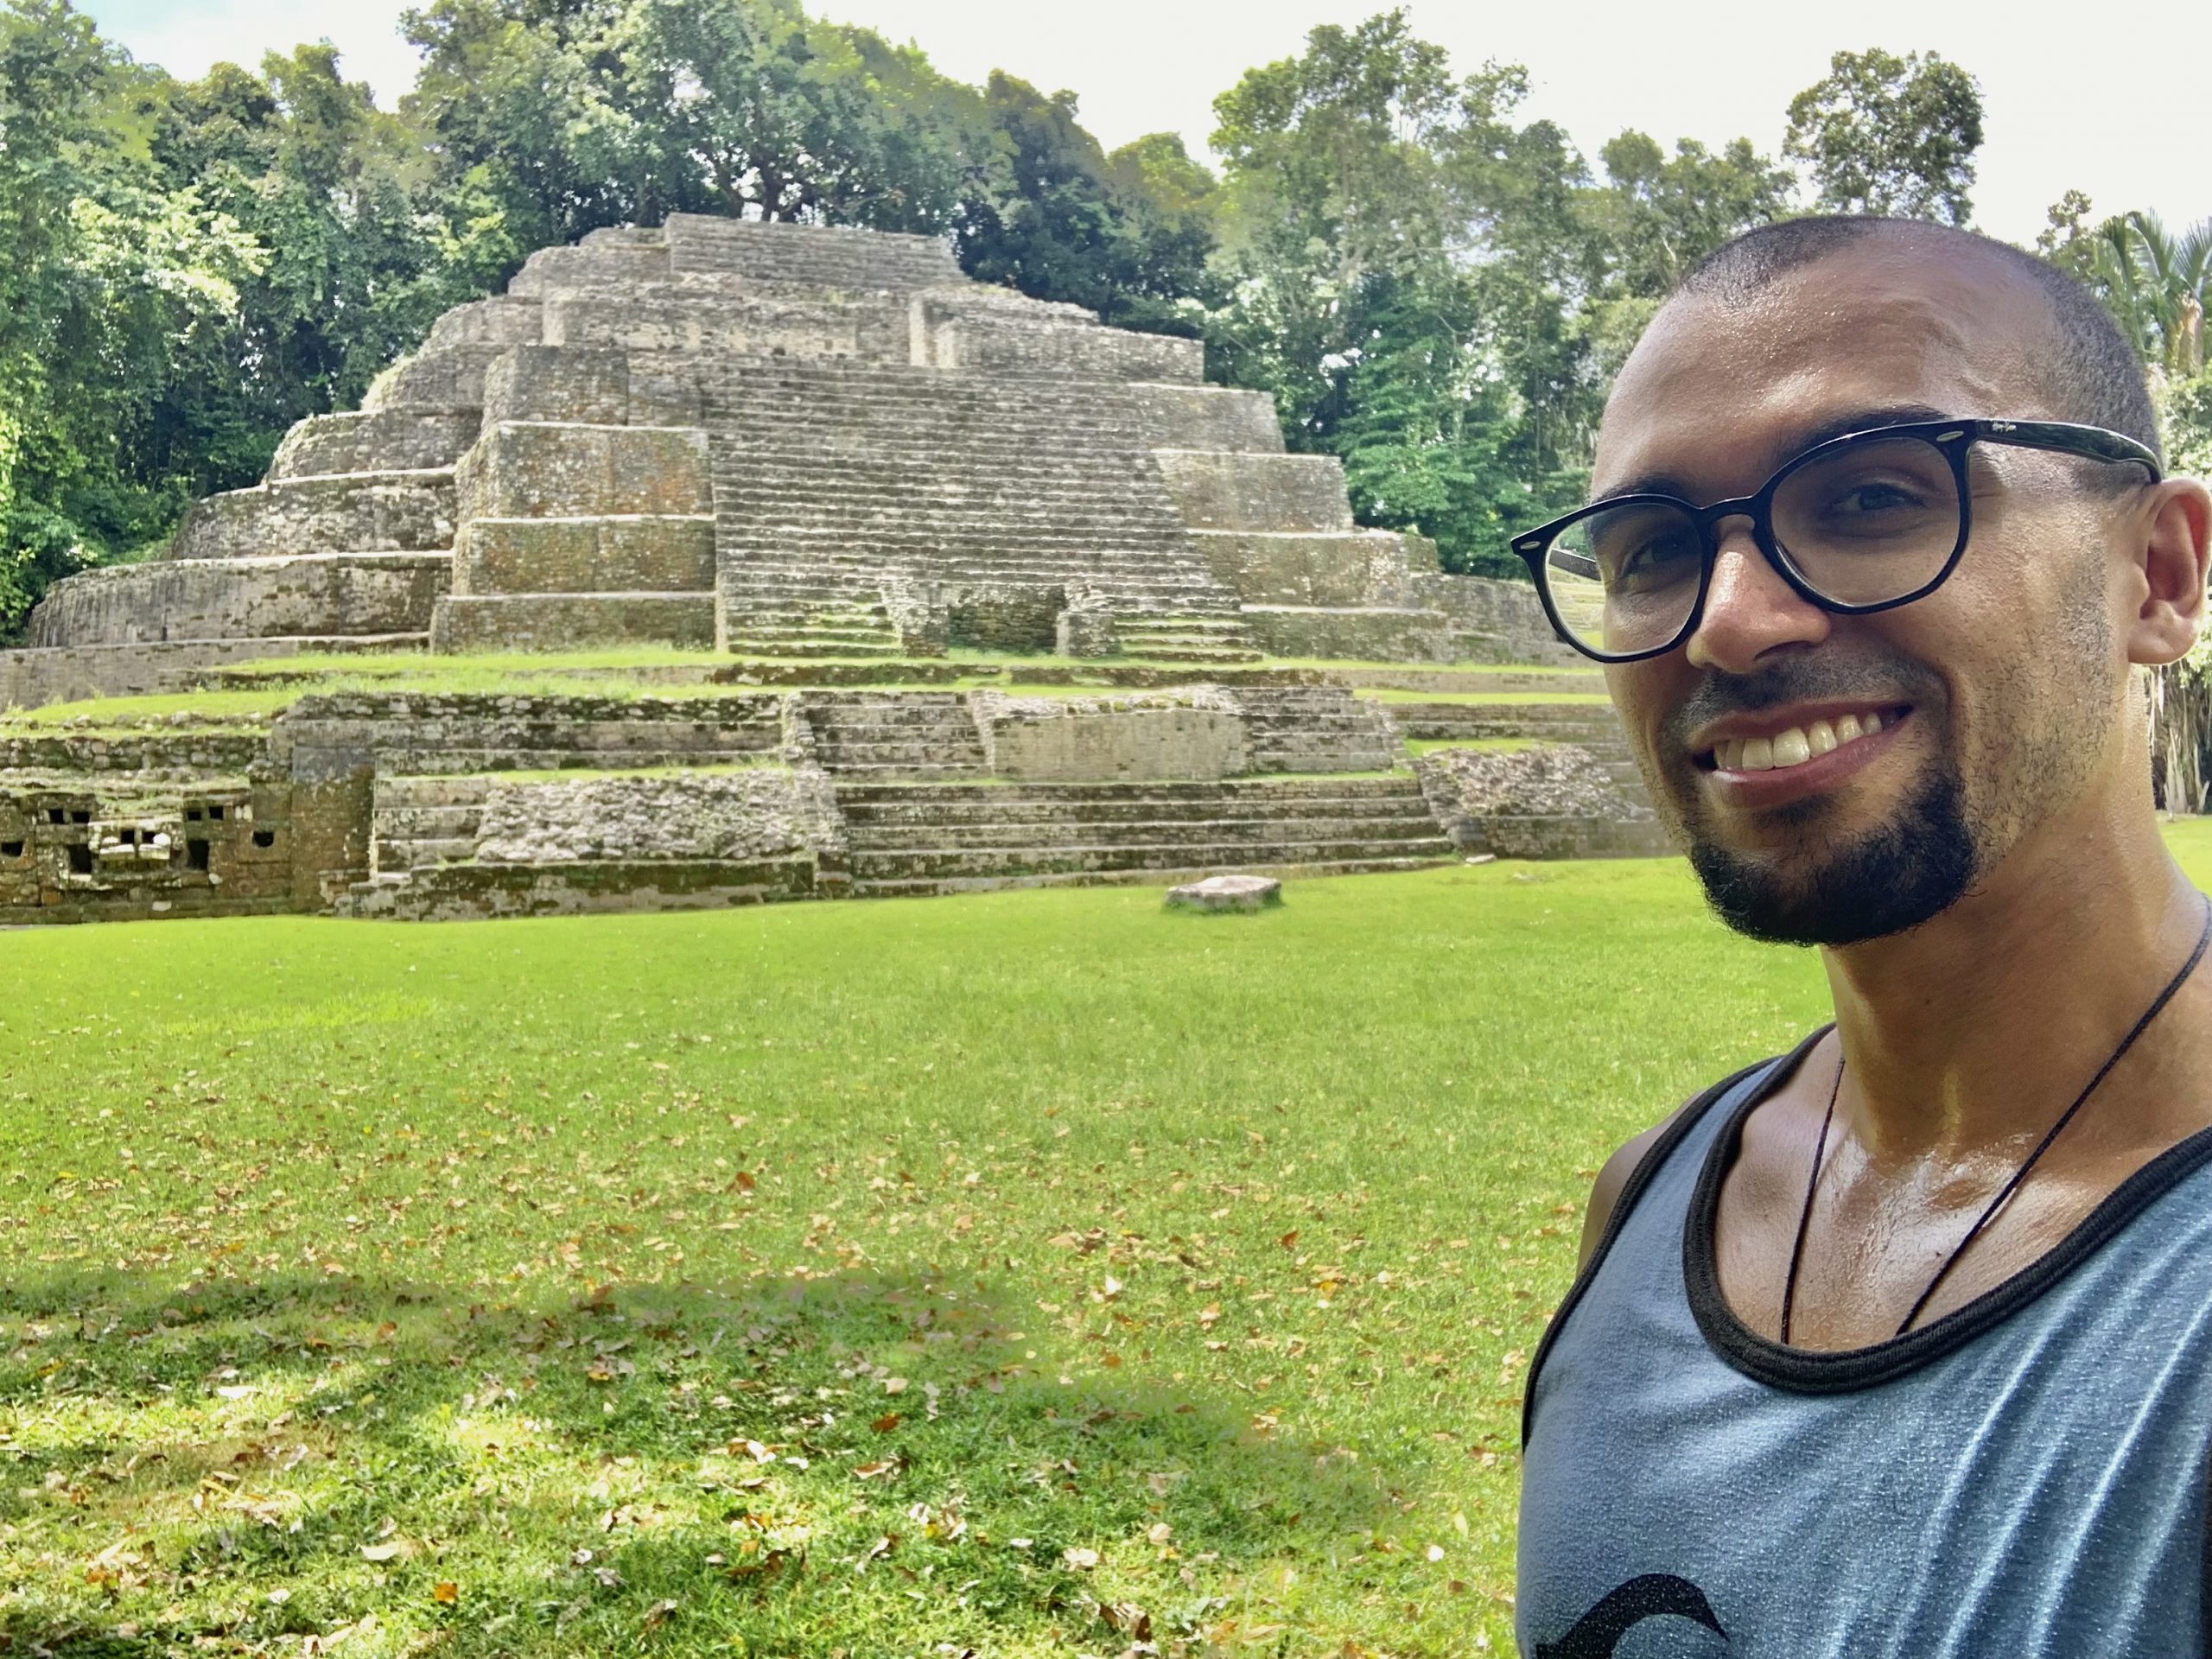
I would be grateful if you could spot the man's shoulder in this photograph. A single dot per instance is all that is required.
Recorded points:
(1613, 1178)
(1620, 1169)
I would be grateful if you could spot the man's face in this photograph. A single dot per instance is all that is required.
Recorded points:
(1982, 710)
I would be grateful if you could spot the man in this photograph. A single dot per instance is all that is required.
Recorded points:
(1900, 1343)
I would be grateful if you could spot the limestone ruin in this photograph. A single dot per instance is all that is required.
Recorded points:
(820, 458)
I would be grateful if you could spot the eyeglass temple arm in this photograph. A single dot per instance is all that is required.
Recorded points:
(2068, 439)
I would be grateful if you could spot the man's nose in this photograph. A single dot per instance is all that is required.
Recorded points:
(1749, 609)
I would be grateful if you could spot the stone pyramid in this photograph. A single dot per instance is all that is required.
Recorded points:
(778, 441)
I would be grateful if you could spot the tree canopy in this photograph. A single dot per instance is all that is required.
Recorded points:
(1436, 288)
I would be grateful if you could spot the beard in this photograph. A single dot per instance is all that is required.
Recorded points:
(1824, 890)
(1907, 872)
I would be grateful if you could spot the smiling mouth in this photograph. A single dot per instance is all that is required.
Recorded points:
(1798, 745)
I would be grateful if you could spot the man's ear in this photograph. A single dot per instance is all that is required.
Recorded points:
(2176, 555)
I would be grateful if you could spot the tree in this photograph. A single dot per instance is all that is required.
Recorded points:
(109, 282)
(1890, 135)
(565, 116)
(1404, 261)
(1660, 214)
(2156, 282)
(1048, 213)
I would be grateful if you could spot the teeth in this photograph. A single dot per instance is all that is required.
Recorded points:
(1793, 747)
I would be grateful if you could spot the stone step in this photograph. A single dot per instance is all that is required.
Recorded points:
(1056, 803)
(928, 886)
(1089, 832)
(874, 820)
(742, 643)
(1255, 789)
(1196, 851)
(919, 771)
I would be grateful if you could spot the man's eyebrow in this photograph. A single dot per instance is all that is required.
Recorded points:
(1790, 444)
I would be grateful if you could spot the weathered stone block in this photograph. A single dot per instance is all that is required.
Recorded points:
(591, 268)
(365, 512)
(1209, 418)
(701, 815)
(1220, 492)
(321, 594)
(741, 325)
(572, 621)
(543, 470)
(559, 382)
(992, 339)
(382, 440)
(585, 555)
(1367, 635)
(1220, 893)
(1334, 569)
(448, 381)
(828, 256)
(499, 322)
(1199, 738)
(30, 679)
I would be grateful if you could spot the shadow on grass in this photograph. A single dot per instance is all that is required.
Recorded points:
(812, 1464)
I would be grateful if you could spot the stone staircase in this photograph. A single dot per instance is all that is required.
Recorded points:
(418, 824)
(872, 737)
(1318, 728)
(791, 613)
(917, 839)
(839, 484)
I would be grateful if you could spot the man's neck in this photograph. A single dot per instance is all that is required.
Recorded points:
(1956, 1033)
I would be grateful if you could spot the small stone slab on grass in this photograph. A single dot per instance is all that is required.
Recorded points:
(1227, 892)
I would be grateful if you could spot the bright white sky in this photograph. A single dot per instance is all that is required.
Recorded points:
(2099, 98)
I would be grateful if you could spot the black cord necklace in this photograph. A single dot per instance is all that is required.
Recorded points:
(2004, 1193)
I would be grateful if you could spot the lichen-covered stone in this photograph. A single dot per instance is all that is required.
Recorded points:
(1221, 893)
(687, 815)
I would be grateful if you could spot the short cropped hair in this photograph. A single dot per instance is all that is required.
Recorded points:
(2092, 374)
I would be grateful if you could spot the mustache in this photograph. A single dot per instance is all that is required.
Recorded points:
(1801, 679)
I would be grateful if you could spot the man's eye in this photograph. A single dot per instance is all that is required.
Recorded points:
(1872, 498)
(1656, 555)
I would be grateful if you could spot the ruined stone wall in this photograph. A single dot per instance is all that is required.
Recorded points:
(1552, 801)
(979, 331)
(1317, 567)
(411, 511)
(329, 736)
(305, 597)
(117, 846)
(1257, 491)
(1197, 735)
(751, 815)
(1506, 613)
(399, 440)
(31, 679)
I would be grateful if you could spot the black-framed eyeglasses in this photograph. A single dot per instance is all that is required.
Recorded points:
(1863, 522)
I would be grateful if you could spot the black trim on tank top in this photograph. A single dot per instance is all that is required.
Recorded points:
(1839, 1372)
(1647, 1166)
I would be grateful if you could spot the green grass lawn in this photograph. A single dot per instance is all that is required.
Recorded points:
(1030, 1273)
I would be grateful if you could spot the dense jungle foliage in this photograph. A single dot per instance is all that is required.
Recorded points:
(1434, 288)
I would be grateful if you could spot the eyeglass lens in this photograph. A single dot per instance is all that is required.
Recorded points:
(1867, 524)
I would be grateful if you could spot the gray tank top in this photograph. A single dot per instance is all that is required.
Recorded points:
(2024, 1477)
